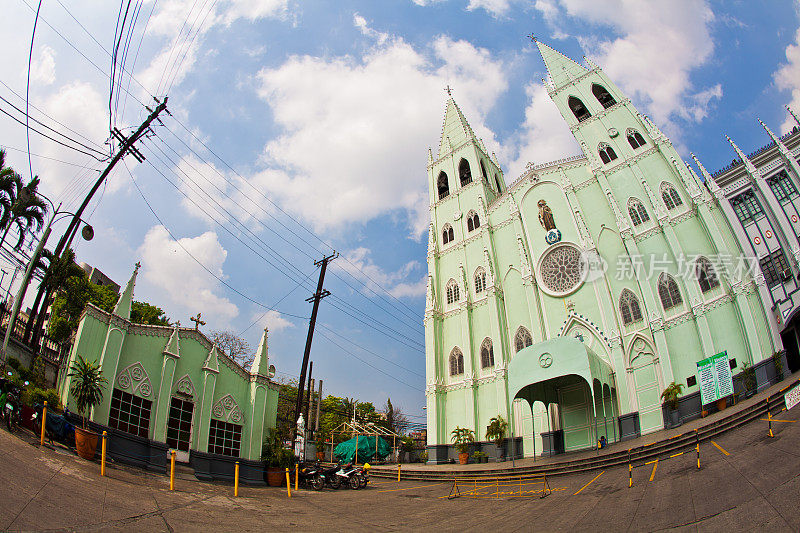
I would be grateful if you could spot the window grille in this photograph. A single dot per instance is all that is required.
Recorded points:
(487, 354)
(746, 207)
(782, 186)
(522, 339)
(578, 109)
(668, 292)
(603, 96)
(129, 413)
(629, 307)
(442, 186)
(464, 172)
(775, 268)
(452, 292)
(607, 154)
(706, 277)
(179, 424)
(480, 281)
(670, 196)
(635, 139)
(456, 362)
(637, 212)
(224, 438)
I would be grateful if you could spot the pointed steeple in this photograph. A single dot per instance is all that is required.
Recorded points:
(562, 69)
(789, 109)
(173, 346)
(261, 362)
(747, 163)
(212, 361)
(712, 185)
(455, 130)
(123, 307)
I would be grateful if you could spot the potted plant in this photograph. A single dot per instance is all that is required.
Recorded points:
(670, 397)
(462, 438)
(749, 379)
(87, 390)
(423, 456)
(496, 431)
(276, 459)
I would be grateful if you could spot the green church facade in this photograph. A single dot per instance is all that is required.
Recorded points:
(566, 301)
(172, 388)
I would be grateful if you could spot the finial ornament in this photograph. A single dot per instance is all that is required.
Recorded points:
(449, 90)
(138, 265)
(532, 37)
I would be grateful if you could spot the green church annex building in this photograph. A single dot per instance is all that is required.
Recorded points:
(171, 388)
(567, 301)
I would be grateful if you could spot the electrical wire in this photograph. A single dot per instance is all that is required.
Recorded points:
(28, 89)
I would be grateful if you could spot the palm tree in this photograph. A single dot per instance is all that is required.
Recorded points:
(10, 184)
(60, 269)
(27, 211)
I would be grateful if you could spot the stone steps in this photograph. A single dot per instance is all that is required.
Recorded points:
(608, 459)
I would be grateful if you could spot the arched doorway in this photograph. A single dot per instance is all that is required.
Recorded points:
(647, 385)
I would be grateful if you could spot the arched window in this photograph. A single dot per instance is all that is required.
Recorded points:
(473, 222)
(522, 339)
(670, 196)
(442, 185)
(483, 169)
(447, 234)
(456, 362)
(487, 354)
(452, 292)
(578, 109)
(603, 96)
(629, 307)
(497, 181)
(607, 154)
(637, 212)
(464, 172)
(635, 138)
(480, 280)
(668, 291)
(706, 276)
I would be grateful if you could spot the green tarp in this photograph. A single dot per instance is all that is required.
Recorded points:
(346, 451)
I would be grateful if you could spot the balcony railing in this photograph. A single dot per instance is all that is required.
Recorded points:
(49, 349)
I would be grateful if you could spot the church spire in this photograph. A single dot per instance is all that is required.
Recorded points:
(260, 364)
(789, 109)
(562, 69)
(455, 129)
(123, 307)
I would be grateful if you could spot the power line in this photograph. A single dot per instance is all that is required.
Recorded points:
(28, 90)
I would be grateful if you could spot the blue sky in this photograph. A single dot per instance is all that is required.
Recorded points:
(319, 115)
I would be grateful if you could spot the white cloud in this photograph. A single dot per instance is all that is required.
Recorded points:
(545, 135)
(272, 320)
(43, 68)
(653, 71)
(359, 264)
(787, 78)
(496, 8)
(352, 127)
(185, 284)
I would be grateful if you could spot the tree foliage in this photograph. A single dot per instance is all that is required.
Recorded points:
(236, 347)
(145, 313)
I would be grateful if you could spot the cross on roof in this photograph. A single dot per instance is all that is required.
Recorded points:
(197, 321)
(532, 37)
(449, 90)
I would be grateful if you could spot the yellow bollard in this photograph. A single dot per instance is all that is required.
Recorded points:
(398, 473)
(44, 423)
(288, 484)
(769, 417)
(103, 455)
(236, 480)
(296, 476)
(172, 470)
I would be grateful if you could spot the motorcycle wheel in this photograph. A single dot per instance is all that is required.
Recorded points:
(355, 484)
(316, 482)
(334, 482)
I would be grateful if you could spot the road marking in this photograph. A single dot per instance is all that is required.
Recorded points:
(654, 470)
(420, 487)
(719, 448)
(776, 420)
(676, 454)
(592, 481)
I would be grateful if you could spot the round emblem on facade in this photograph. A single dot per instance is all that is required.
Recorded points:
(794, 219)
(545, 360)
(562, 269)
(768, 234)
(552, 236)
(757, 240)
(612, 132)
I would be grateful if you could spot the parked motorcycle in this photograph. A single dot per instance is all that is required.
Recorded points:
(311, 476)
(12, 408)
(329, 476)
(348, 475)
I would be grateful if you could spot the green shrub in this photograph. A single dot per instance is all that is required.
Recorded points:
(35, 395)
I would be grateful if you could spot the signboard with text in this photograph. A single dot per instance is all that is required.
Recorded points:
(792, 397)
(714, 375)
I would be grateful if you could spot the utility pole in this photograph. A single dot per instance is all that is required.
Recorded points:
(316, 297)
(66, 239)
(319, 402)
(308, 395)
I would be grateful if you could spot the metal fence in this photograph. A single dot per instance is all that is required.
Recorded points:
(50, 350)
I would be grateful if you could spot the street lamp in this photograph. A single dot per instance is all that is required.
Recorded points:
(87, 234)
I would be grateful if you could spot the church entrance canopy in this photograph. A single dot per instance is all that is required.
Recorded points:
(564, 371)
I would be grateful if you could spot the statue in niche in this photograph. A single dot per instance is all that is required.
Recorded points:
(546, 216)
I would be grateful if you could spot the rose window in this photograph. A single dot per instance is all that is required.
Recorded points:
(562, 269)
